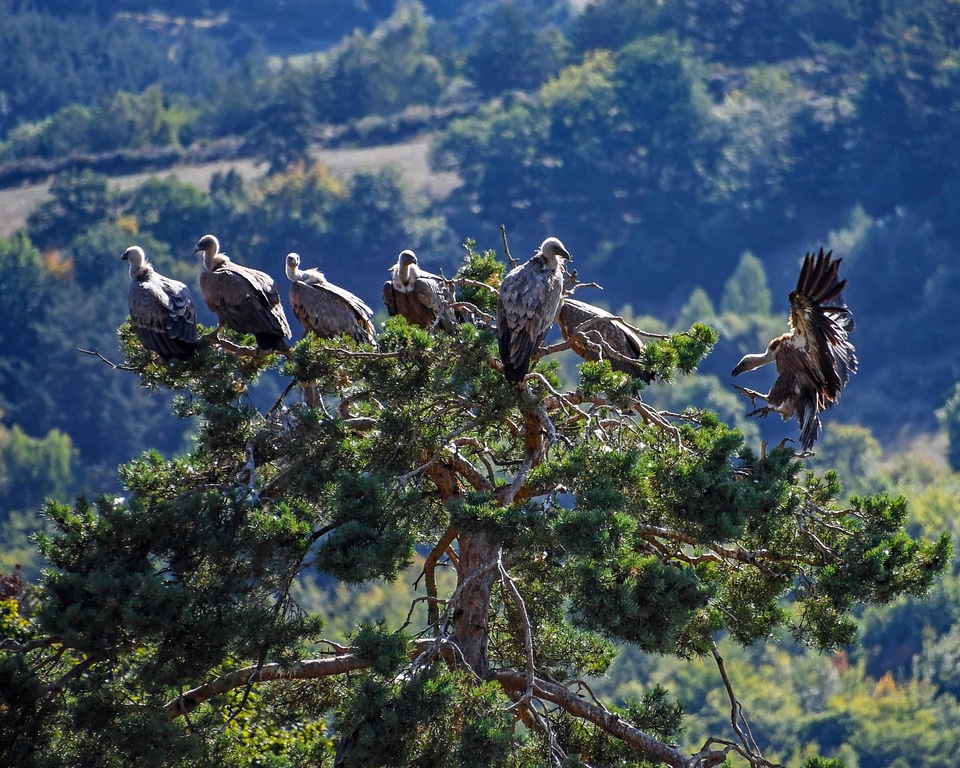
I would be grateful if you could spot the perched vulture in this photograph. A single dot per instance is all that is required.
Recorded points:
(599, 325)
(243, 299)
(326, 309)
(161, 309)
(815, 357)
(529, 298)
(421, 297)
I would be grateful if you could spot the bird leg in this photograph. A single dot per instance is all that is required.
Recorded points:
(753, 395)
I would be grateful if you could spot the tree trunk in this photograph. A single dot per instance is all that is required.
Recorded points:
(477, 572)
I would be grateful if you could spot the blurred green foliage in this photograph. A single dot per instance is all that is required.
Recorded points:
(688, 153)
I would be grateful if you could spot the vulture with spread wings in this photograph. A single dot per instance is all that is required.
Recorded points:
(529, 299)
(596, 334)
(421, 297)
(162, 312)
(325, 309)
(242, 298)
(815, 357)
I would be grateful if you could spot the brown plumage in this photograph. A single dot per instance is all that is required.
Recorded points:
(162, 312)
(420, 297)
(242, 298)
(529, 298)
(326, 309)
(577, 319)
(815, 358)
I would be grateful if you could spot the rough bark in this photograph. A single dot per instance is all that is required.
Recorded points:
(301, 670)
(477, 573)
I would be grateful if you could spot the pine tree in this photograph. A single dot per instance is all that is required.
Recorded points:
(573, 518)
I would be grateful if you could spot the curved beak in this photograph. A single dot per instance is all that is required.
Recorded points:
(749, 362)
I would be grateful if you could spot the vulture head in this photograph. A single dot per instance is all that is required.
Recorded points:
(293, 266)
(308, 276)
(137, 258)
(209, 246)
(750, 362)
(406, 271)
(551, 251)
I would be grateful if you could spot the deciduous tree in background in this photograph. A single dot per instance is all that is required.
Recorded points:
(571, 519)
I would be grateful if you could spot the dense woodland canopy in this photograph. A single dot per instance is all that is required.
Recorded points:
(687, 153)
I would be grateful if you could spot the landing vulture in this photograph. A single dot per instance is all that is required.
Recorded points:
(420, 297)
(161, 309)
(243, 299)
(603, 330)
(529, 298)
(326, 309)
(815, 357)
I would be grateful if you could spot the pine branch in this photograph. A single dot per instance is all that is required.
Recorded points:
(506, 248)
(429, 573)
(309, 669)
(514, 681)
(113, 365)
(748, 745)
(511, 587)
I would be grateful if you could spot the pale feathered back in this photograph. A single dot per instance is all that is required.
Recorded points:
(529, 298)
(422, 298)
(598, 325)
(162, 312)
(242, 298)
(325, 309)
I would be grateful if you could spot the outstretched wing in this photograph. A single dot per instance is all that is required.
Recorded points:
(821, 325)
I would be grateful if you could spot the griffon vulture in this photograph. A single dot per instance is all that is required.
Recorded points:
(161, 309)
(529, 298)
(326, 309)
(815, 357)
(598, 325)
(421, 297)
(243, 299)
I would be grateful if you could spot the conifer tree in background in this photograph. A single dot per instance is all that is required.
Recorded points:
(571, 518)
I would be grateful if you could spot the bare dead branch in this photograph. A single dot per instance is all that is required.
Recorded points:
(430, 577)
(574, 288)
(75, 671)
(402, 480)
(239, 349)
(9, 644)
(464, 282)
(535, 423)
(654, 417)
(355, 354)
(470, 473)
(515, 681)
(506, 248)
(360, 423)
(511, 587)
(754, 557)
(113, 365)
(477, 315)
(748, 745)
(276, 406)
(309, 669)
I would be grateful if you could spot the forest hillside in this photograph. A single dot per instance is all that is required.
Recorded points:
(688, 153)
